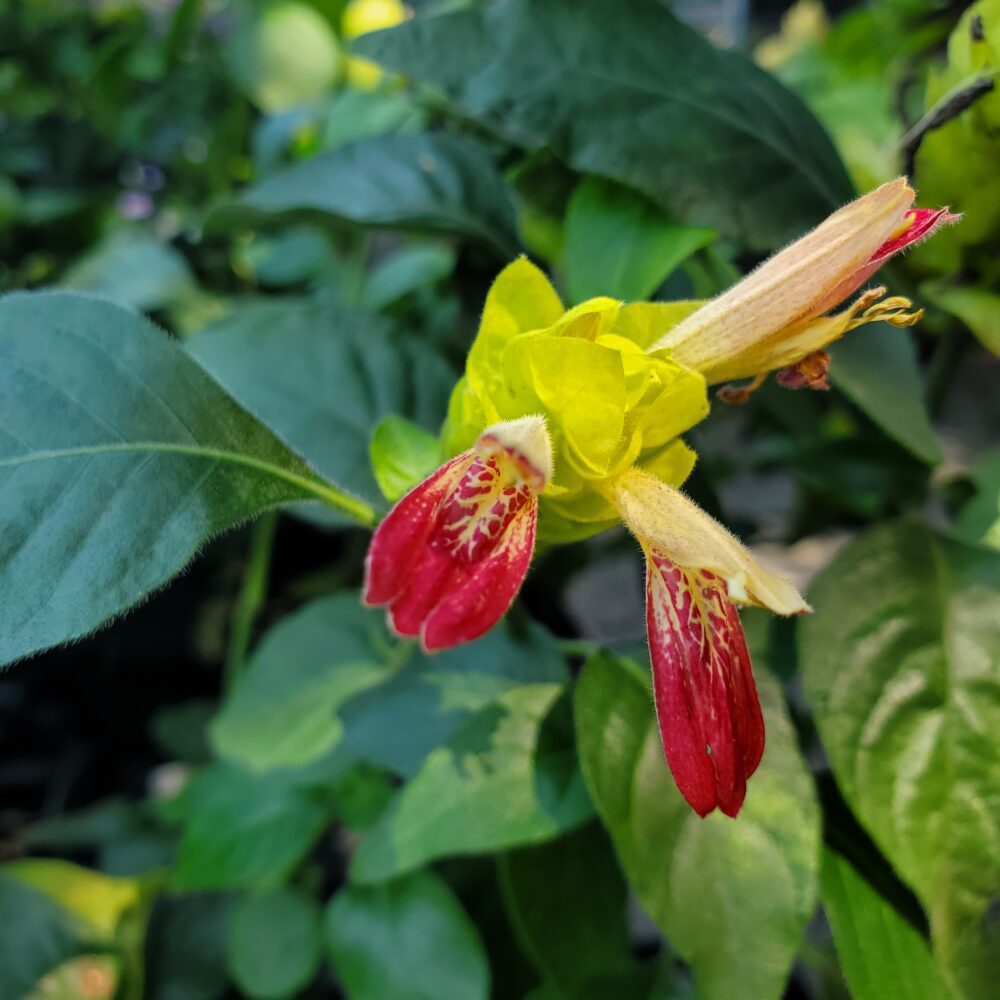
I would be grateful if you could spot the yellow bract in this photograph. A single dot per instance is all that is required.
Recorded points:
(608, 404)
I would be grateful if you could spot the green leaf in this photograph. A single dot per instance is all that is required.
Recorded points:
(881, 954)
(733, 897)
(621, 245)
(133, 269)
(977, 308)
(402, 455)
(37, 936)
(360, 114)
(283, 711)
(900, 670)
(409, 939)
(628, 92)
(406, 271)
(397, 723)
(435, 182)
(877, 368)
(186, 947)
(323, 378)
(979, 520)
(507, 777)
(567, 901)
(119, 457)
(245, 829)
(274, 943)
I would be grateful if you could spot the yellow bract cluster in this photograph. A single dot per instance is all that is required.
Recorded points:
(608, 404)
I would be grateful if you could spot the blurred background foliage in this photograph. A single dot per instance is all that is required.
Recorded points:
(246, 787)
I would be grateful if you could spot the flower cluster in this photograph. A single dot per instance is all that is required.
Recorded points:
(568, 422)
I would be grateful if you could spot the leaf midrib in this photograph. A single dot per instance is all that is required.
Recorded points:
(336, 498)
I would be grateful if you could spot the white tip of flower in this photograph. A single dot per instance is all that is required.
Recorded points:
(525, 440)
(665, 519)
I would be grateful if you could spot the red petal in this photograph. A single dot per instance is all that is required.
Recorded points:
(706, 701)
(924, 222)
(400, 541)
(450, 557)
(486, 589)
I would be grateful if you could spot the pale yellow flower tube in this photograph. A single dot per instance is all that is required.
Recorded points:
(774, 316)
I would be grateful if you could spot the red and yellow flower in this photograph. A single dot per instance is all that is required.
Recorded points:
(568, 422)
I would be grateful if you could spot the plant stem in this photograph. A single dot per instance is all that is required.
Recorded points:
(252, 595)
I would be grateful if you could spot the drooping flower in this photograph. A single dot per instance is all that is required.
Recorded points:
(584, 409)
(773, 320)
(450, 557)
(706, 700)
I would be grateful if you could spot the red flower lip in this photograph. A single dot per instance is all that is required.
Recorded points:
(450, 557)
(707, 709)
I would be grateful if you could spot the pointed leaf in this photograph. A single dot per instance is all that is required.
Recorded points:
(619, 244)
(629, 92)
(323, 377)
(509, 776)
(900, 671)
(435, 182)
(733, 896)
(877, 368)
(880, 953)
(119, 458)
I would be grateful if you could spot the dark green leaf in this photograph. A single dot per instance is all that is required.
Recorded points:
(619, 244)
(119, 457)
(323, 378)
(409, 939)
(567, 901)
(284, 710)
(436, 182)
(629, 92)
(37, 936)
(509, 776)
(881, 954)
(399, 722)
(360, 114)
(877, 368)
(406, 271)
(242, 829)
(899, 667)
(732, 896)
(133, 269)
(186, 947)
(274, 943)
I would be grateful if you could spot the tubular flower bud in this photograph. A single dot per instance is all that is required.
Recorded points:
(709, 716)
(774, 318)
(450, 557)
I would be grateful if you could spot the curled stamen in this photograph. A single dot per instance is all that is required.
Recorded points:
(893, 310)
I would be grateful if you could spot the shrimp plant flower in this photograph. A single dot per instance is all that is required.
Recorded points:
(566, 423)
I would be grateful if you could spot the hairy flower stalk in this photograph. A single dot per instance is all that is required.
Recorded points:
(773, 320)
(583, 410)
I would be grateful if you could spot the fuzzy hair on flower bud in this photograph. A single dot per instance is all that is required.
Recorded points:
(773, 318)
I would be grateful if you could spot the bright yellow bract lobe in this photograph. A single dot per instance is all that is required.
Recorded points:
(607, 402)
